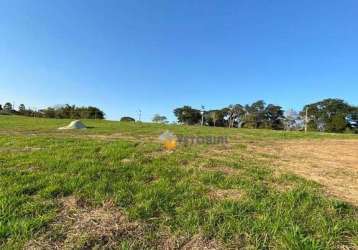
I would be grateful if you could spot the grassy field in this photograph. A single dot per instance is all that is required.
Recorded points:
(114, 186)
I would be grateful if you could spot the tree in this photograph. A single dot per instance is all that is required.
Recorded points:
(0, 107)
(274, 117)
(327, 115)
(230, 115)
(238, 115)
(159, 119)
(73, 112)
(68, 111)
(22, 109)
(188, 115)
(50, 112)
(8, 107)
(255, 114)
(235, 114)
(94, 113)
(337, 123)
(127, 119)
(213, 116)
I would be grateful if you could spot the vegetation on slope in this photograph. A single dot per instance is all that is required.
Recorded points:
(220, 194)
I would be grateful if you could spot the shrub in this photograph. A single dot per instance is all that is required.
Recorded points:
(127, 119)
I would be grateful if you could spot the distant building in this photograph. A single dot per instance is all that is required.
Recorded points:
(293, 121)
(352, 120)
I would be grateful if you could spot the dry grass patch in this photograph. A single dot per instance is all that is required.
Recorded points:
(19, 150)
(282, 186)
(125, 137)
(111, 137)
(218, 151)
(198, 242)
(80, 227)
(230, 194)
(332, 163)
(218, 168)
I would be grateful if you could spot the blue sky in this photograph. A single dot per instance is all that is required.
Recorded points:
(157, 55)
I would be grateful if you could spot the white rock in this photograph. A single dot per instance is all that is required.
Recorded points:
(77, 124)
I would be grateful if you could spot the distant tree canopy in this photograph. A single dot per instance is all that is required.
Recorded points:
(59, 111)
(274, 117)
(159, 119)
(188, 115)
(330, 115)
(8, 107)
(73, 112)
(256, 115)
(127, 119)
(22, 109)
(215, 118)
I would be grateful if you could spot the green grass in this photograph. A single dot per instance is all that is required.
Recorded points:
(167, 191)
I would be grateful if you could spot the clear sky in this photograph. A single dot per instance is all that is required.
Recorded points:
(154, 55)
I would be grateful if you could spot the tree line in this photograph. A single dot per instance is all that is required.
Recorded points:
(58, 111)
(328, 115)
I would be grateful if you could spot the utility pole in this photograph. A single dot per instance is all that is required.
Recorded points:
(202, 115)
(306, 120)
(139, 114)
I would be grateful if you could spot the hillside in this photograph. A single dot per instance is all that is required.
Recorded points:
(114, 185)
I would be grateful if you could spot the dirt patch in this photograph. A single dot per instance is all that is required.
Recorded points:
(230, 194)
(332, 163)
(218, 152)
(282, 187)
(80, 227)
(112, 137)
(215, 160)
(198, 242)
(219, 168)
(19, 150)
